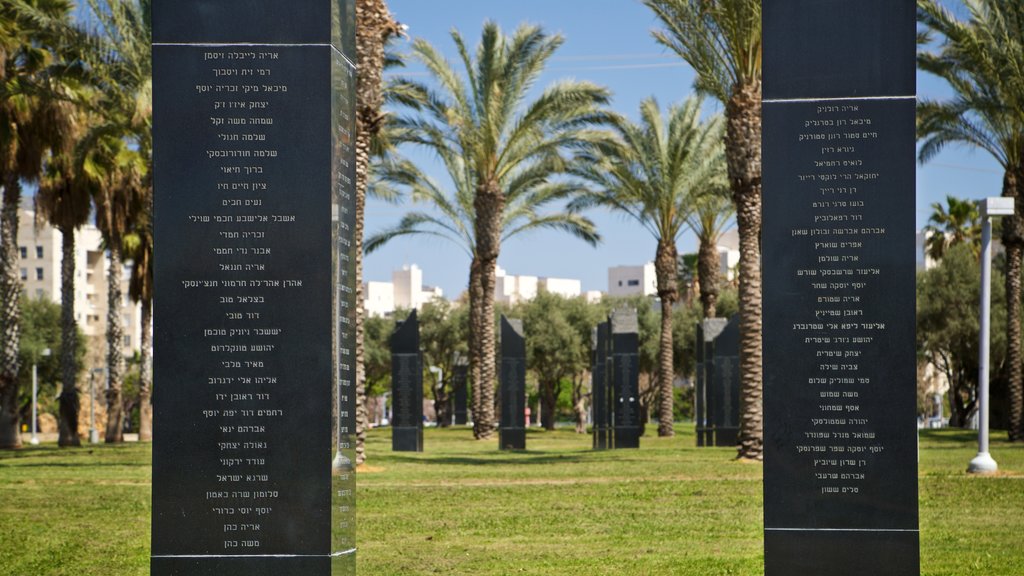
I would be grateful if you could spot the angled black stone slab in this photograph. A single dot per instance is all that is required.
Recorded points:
(708, 331)
(840, 472)
(600, 390)
(406, 387)
(725, 384)
(512, 432)
(459, 384)
(625, 377)
(254, 367)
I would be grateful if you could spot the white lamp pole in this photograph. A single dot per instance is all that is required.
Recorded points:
(983, 463)
(35, 399)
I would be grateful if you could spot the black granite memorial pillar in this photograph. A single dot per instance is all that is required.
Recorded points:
(253, 122)
(460, 374)
(512, 433)
(707, 331)
(840, 451)
(625, 378)
(600, 390)
(406, 387)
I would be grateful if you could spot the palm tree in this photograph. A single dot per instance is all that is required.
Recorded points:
(30, 122)
(450, 215)
(374, 28)
(64, 200)
(483, 119)
(982, 59)
(116, 153)
(654, 171)
(721, 40)
(712, 215)
(138, 246)
(961, 224)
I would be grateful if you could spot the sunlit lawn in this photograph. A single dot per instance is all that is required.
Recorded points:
(463, 507)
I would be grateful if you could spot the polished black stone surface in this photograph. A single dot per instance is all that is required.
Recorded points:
(253, 189)
(256, 22)
(512, 431)
(459, 384)
(406, 387)
(838, 48)
(625, 378)
(840, 453)
(724, 385)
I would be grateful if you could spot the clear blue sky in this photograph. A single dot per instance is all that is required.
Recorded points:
(607, 42)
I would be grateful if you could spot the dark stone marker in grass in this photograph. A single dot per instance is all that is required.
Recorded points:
(717, 393)
(840, 455)
(254, 399)
(601, 397)
(460, 374)
(624, 375)
(406, 387)
(512, 433)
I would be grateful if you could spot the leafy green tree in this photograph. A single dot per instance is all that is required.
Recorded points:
(721, 40)
(982, 59)
(654, 172)
(554, 349)
(961, 224)
(501, 149)
(41, 329)
(947, 325)
(443, 331)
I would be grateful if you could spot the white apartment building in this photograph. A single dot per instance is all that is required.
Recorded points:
(728, 254)
(39, 251)
(405, 291)
(512, 290)
(632, 280)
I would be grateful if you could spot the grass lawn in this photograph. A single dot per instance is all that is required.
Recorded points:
(463, 507)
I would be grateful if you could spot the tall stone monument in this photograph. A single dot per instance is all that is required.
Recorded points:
(601, 393)
(840, 450)
(512, 432)
(406, 387)
(254, 410)
(624, 375)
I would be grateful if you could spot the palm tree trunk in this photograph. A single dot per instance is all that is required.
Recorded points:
(1013, 240)
(707, 272)
(475, 297)
(373, 26)
(115, 358)
(743, 156)
(489, 207)
(665, 269)
(146, 374)
(10, 322)
(69, 402)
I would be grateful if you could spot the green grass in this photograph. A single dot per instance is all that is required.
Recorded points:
(463, 507)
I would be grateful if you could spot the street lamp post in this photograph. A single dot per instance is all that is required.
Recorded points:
(983, 463)
(35, 399)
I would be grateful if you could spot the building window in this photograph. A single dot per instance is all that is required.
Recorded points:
(24, 252)
(24, 273)
(127, 341)
(39, 252)
(620, 283)
(632, 282)
(40, 293)
(39, 273)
